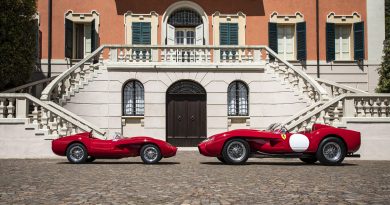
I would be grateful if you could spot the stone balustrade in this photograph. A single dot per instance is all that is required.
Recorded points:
(40, 115)
(33, 88)
(344, 108)
(335, 89)
(61, 88)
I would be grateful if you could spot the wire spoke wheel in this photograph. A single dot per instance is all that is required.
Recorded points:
(332, 151)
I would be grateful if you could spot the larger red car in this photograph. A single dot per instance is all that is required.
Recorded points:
(84, 147)
(327, 144)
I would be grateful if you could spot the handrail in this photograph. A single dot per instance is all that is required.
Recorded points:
(302, 112)
(345, 87)
(12, 90)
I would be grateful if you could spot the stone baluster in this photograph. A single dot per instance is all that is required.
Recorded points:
(375, 108)
(208, 55)
(35, 114)
(230, 56)
(250, 56)
(10, 108)
(327, 117)
(120, 57)
(54, 126)
(44, 119)
(63, 128)
(2, 107)
(267, 56)
(383, 109)
(223, 56)
(359, 108)
(71, 128)
(82, 75)
(303, 126)
(101, 58)
(367, 108)
(147, 56)
(235, 58)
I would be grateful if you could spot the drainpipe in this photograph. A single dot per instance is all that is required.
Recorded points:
(318, 41)
(49, 39)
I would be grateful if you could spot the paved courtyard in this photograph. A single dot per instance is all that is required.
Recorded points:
(190, 178)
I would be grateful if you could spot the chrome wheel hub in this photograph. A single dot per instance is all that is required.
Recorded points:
(236, 151)
(332, 151)
(150, 154)
(76, 153)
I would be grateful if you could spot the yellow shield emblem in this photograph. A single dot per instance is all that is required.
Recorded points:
(283, 136)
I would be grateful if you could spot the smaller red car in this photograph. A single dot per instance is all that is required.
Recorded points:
(84, 147)
(323, 143)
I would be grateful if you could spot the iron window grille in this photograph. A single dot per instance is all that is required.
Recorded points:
(133, 99)
(185, 18)
(238, 99)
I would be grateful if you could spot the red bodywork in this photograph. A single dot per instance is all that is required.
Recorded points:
(111, 149)
(272, 142)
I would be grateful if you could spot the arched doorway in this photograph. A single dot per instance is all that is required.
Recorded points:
(186, 113)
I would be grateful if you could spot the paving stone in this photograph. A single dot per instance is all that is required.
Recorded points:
(190, 178)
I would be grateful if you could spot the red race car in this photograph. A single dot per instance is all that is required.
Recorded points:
(84, 147)
(327, 144)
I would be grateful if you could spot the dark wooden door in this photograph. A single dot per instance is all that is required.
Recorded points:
(186, 119)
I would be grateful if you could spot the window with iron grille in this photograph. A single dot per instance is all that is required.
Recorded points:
(133, 99)
(238, 99)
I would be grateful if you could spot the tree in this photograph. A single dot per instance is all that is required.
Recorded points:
(17, 42)
(384, 70)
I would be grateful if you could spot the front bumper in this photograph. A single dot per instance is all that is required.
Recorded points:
(171, 152)
(202, 147)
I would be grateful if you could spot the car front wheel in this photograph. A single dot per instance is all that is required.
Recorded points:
(76, 153)
(150, 154)
(236, 151)
(331, 151)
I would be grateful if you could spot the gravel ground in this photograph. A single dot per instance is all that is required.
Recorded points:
(190, 178)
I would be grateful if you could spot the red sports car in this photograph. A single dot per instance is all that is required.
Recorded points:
(84, 147)
(327, 144)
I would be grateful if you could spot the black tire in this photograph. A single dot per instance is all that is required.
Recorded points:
(77, 153)
(221, 159)
(331, 143)
(90, 159)
(241, 156)
(309, 160)
(150, 154)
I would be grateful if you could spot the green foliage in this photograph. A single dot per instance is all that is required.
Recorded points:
(17, 42)
(384, 70)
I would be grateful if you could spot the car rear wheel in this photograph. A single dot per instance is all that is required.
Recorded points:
(309, 160)
(76, 153)
(236, 151)
(150, 154)
(331, 151)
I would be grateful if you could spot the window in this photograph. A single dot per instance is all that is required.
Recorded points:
(228, 34)
(80, 39)
(286, 39)
(343, 42)
(237, 99)
(133, 98)
(185, 36)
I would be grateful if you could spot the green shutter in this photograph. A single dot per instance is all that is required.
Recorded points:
(330, 42)
(301, 41)
(68, 38)
(94, 37)
(145, 33)
(273, 36)
(358, 32)
(141, 32)
(228, 34)
(224, 37)
(233, 32)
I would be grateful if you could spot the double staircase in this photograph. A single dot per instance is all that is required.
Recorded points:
(326, 102)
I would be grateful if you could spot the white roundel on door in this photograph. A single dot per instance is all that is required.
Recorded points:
(299, 142)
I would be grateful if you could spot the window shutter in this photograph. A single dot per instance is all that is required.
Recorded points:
(68, 38)
(145, 33)
(358, 32)
(94, 37)
(233, 33)
(273, 36)
(136, 33)
(330, 42)
(224, 34)
(301, 41)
